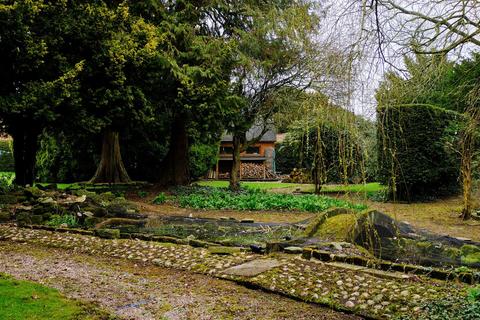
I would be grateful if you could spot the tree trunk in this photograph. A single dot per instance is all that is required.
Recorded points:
(176, 166)
(467, 146)
(235, 173)
(111, 168)
(25, 139)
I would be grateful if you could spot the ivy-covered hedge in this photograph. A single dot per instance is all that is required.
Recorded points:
(418, 151)
(6, 156)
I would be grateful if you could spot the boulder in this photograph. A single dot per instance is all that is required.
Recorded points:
(108, 233)
(4, 216)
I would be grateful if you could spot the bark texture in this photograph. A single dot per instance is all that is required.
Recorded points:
(111, 168)
(176, 165)
(238, 142)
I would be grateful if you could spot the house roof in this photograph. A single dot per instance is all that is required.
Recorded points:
(254, 132)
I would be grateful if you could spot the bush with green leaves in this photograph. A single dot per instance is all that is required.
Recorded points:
(417, 153)
(57, 220)
(6, 181)
(160, 198)
(6, 156)
(202, 158)
(248, 199)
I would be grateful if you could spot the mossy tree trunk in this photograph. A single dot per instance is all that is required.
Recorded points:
(111, 168)
(176, 165)
(467, 151)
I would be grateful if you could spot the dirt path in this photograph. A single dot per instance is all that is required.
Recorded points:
(134, 291)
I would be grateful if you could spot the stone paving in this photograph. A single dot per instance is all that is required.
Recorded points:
(345, 288)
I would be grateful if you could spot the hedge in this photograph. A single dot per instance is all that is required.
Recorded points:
(6, 156)
(416, 151)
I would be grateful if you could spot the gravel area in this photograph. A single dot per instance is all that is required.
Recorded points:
(140, 291)
(375, 294)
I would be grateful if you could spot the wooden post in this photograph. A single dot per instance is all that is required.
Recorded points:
(216, 170)
(264, 171)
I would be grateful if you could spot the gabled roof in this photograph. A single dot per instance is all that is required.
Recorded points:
(254, 132)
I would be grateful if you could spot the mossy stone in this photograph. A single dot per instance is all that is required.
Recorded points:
(198, 243)
(8, 199)
(23, 218)
(4, 216)
(33, 192)
(108, 233)
(36, 219)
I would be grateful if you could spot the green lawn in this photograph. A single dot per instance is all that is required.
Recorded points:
(354, 188)
(351, 188)
(249, 184)
(27, 300)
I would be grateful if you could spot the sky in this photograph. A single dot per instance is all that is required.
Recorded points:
(348, 25)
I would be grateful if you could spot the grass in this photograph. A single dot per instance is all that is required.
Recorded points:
(249, 184)
(371, 187)
(248, 199)
(27, 300)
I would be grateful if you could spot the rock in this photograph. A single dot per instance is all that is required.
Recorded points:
(293, 250)
(349, 304)
(4, 216)
(108, 233)
(46, 200)
(36, 219)
(253, 268)
(404, 293)
(23, 218)
(8, 199)
(63, 225)
(33, 192)
(257, 248)
(337, 246)
(339, 282)
(198, 243)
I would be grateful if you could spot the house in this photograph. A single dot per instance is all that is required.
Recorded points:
(257, 162)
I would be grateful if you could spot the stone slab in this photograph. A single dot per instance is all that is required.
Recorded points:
(253, 268)
(387, 274)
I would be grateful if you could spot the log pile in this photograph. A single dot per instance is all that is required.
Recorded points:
(256, 171)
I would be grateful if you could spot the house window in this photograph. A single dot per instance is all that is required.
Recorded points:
(226, 150)
(253, 150)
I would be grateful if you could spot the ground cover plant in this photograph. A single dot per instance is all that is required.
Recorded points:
(251, 199)
(21, 300)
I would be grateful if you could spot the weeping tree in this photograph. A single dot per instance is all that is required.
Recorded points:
(434, 28)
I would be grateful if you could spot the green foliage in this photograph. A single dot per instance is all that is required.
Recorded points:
(202, 158)
(27, 300)
(416, 150)
(6, 155)
(6, 180)
(340, 152)
(453, 308)
(474, 294)
(160, 198)
(248, 199)
(56, 220)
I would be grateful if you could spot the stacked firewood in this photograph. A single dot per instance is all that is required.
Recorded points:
(256, 171)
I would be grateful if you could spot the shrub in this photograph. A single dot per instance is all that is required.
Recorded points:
(248, 199)
(202, 158)
(57, 220)
(6, 156)
(160, 198)
(417, 157)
